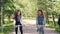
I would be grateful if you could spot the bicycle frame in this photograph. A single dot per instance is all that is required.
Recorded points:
(18, 28)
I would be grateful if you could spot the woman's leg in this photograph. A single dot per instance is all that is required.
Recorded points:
(42, 29)
(16, 30)
(21, 30)
(38, 27)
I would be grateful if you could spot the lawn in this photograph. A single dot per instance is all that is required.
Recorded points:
(7, 28)
(56, 27)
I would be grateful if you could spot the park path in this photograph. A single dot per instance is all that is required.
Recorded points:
(29, 27)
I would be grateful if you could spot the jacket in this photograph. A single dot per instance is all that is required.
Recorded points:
(44, 21)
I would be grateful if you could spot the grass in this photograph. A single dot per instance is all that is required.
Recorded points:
(7, 28)
(1, 30)
(56, 27)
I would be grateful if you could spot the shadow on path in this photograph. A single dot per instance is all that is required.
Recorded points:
(32, 29)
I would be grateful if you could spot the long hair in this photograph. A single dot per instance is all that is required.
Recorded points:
(16, 13)
(40, 11)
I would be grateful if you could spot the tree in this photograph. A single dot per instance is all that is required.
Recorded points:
(6, 5)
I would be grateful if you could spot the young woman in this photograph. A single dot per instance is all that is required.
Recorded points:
(17, 18)
(40, 21)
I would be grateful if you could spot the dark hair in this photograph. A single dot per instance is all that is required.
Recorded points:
(19, 11)
(16, 12)
(41, 12)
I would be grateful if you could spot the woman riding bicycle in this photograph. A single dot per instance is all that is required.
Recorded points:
(17, 18)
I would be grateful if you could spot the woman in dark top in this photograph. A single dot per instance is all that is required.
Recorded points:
(17, 17)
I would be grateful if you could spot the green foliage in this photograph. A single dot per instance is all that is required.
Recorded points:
(54, 7)
(29, 7)
(8, 27)
(8, 13)
(56, 27)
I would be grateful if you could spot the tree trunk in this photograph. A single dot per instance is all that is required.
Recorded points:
(47, 17)
(2, 14)
(3, 18)
(47, 20)
(53, 19)
(0, 20)
(9, 18)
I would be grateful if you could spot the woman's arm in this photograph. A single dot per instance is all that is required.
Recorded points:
(36, 20)
(21, 20)
(44, 21)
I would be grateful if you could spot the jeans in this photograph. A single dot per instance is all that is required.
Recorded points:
(41, 27)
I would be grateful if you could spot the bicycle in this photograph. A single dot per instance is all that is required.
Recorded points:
(18, 28)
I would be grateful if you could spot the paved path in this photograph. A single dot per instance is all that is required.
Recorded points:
(30, 28)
